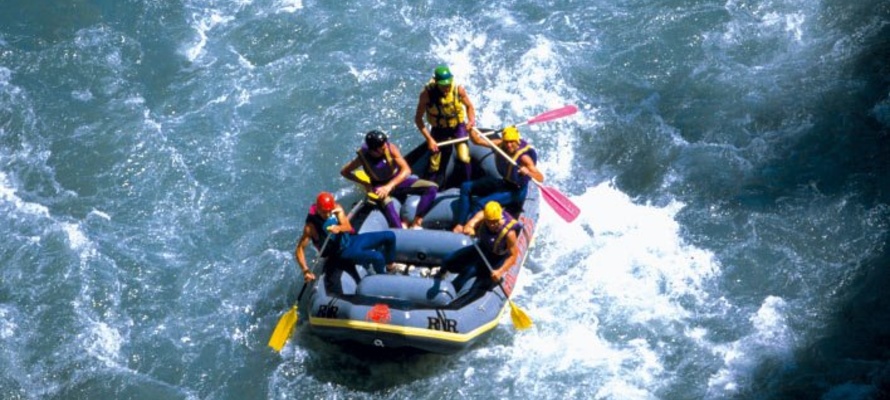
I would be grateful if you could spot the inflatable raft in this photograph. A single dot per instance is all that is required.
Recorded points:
(418, 310)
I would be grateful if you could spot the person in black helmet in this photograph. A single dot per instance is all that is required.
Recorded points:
(390, 176)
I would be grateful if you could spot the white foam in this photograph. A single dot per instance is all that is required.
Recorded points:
(82, 95)
(289, 6)
(135, 101)
(620, 261)
(8, 327)
(362, 74)
(79, 242)
(100, 214)
(202, 25)
(8, 195)
(791, 23)
(104, 343)
(76, 238)
(770, 338)
(5, 74)
(478, 62)
(457, 51)
(242, 61)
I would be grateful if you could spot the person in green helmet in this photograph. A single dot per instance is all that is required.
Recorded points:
(450, 113)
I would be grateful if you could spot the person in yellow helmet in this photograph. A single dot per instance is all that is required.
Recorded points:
(497, 238)
(451, 114)
(511, 188)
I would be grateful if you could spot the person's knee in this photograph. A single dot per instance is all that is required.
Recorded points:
(466, 187)
(389, 237)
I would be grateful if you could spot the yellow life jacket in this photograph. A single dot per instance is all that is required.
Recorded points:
(444, 110)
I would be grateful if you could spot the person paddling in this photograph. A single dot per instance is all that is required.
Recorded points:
(327, 219)
(497, 238)
(390, 176)
(511, 188)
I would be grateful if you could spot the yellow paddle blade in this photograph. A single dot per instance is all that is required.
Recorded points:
(362, 176)
(283, 329)
(520, 319)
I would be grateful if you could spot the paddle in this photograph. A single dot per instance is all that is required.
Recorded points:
(287, 321)
(520, 319)
(556, 200)
(557, 113)
(463, 139)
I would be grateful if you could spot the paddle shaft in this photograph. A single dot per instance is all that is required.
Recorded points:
(461, 140)
(490, 268)
(519, 317)
(315, 264)
(502, 153)
(542, 117)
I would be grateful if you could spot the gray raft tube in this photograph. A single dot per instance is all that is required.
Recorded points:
(419, 248)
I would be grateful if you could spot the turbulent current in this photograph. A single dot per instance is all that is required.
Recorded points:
(730, 158)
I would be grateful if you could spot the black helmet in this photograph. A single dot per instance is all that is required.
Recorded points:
(374, 139)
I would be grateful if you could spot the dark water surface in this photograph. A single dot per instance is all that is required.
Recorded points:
(730, 158)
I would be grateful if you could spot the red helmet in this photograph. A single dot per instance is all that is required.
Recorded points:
(325, 201)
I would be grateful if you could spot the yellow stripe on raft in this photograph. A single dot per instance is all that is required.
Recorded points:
(406, 330)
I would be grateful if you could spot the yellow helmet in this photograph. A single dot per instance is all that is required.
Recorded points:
(510, 134)
(492, 211)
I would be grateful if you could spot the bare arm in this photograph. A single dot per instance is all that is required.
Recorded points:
(528, 167)
(502, 270)
(343, 223)
(348, 172)
(300, 252)
(422, 103)
(404, 172)
(471, 110)
(470, 227)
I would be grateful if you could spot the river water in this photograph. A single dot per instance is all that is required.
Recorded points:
(730, 159)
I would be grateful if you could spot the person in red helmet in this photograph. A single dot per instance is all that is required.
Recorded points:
(326, 222)
(325, 217)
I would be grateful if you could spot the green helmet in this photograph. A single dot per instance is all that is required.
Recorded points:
(442, 75)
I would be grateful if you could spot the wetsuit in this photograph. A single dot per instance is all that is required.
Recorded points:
(466, 261)
(375, 249)
(446, 115)
(511, 190)
(382, 169)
